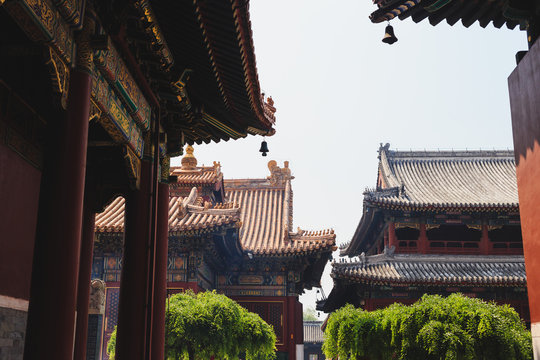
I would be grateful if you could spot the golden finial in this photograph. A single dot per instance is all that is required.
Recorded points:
(189, 162)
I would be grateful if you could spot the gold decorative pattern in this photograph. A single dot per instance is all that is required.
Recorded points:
(432, 226)
(474, 226)
(165, 168)
(114, 117)
(117, 74)
(407, 225)
(133, 166)
(153, 30)
(40, 20)
(71, 11)
(59, 76)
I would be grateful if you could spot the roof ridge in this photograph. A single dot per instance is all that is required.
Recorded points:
(451, 153)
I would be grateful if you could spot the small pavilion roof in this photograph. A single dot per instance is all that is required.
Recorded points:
(186, 214)
(498, 12)
(463, 270)
(189, 174)
(445, 179)
(266, 216)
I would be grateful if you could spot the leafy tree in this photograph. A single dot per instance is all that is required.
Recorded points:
(209, 324)
(434, 328)
(310, 314)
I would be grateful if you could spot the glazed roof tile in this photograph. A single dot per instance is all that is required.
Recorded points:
(266, 216)
(482, 270)
(207, 175)
(441, 179)
(262, 208)
(185, 214)
(313, 332)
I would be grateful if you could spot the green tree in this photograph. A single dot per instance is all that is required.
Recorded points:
(209, 324)
(310, 314)
(434, 328)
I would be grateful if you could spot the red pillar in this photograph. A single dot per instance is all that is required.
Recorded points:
(423, 240)
(160, 279)
(132, 307)
(525, 109)
(484, 241)
(53, 295)
(85, 274)
(291, 338)
(392, 240)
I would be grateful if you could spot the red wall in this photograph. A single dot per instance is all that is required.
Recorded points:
(19, 197)
(525, 109)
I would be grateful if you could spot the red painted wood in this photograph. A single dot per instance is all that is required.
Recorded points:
(85, 274)
(484, 241)
(53, 294)
(19, 198)
(291, 338)
(525, 110)
(392, 240)
(160, 279)
(132, 315)
(423, 240)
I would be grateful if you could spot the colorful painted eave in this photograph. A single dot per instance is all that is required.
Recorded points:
(497, 12)
(213, 40)
(391, 204)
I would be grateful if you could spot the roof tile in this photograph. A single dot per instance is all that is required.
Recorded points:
(443, 269)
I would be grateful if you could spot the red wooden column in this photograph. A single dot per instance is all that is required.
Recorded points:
(291, 336)
(423, 240)
(53, 296)
(484, 241)
(160, 279)
(85, 274)
(525, 109)
(132, 310)
(392, 240)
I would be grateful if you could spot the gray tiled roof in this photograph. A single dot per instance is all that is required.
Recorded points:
(446, 179)
(313, 332)
(482, 270)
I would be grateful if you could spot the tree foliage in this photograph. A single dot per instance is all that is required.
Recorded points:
(209, 324)
(434, 328)
(310, 314)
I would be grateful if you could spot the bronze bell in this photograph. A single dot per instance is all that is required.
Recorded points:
(389, 37)
(264, 148)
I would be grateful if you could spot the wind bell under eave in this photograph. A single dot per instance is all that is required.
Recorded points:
(264, 148)
(389, 37)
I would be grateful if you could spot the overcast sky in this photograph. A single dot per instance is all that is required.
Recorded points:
(339, 92)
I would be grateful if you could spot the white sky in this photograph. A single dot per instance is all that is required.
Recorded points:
(339, 92)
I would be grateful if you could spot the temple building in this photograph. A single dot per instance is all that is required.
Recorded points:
(437, 223)
(96, 97)
(232, 236)
(523, 90)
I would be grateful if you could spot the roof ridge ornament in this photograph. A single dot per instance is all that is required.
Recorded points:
(189, 161)
(279, 176)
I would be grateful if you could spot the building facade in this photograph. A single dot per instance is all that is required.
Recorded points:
(436, 223)
(95, 98)
(232, 236)
(313, 340)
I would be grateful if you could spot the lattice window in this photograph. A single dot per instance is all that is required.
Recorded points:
(275, 318)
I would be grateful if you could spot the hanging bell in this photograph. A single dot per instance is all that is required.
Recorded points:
(389, 37)
(264, 148)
